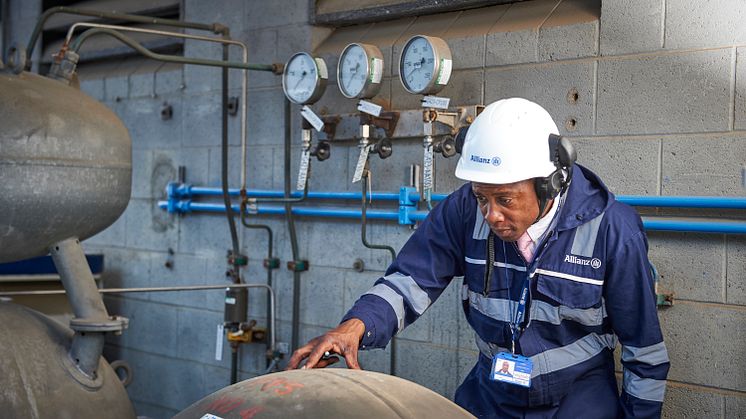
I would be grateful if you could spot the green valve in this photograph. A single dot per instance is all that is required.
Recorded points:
(298, 265)
(271, 263)
(239, 259)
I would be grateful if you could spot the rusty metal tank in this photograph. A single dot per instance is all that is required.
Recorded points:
(65, 165)
(323, 394)
(40, 381)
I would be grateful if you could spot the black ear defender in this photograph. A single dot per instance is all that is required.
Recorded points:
(563, 156)
(461, 138)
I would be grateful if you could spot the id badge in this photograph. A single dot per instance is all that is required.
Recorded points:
(513, 369)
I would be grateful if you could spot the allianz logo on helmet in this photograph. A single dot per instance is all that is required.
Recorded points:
(594, 263)
(495, 161)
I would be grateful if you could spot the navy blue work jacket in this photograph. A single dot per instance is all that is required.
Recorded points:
(590, 287)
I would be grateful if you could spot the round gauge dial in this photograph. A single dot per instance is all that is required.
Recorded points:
(425, 65)
(360, 70)
(304, 78)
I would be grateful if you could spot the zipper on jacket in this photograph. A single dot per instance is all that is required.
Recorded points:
(490, 262)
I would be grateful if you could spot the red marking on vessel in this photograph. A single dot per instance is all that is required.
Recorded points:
(224, 405)
(251, 412)
(281, 386)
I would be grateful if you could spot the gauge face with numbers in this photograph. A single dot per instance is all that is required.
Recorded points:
(304, 78)
(425, 65)
(360, 71)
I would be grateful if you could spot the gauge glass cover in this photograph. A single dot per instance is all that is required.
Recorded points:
(300, 80)
(417, 65)
(353, 71)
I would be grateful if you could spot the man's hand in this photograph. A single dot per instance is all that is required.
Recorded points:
(343, 340)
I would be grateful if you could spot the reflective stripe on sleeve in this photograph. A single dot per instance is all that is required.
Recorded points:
(408, 287)
(644, 388)
(393, 298)
(651, 355)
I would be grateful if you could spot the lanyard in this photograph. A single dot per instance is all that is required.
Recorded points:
(515, 324)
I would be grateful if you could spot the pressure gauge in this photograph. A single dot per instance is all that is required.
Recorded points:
(304, 78)
(425, 65)
(359, 71)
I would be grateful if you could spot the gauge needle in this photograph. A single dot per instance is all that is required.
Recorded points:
(354, 71)
(417, 66)
(303, 75)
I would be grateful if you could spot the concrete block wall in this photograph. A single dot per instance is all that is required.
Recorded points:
(651, 92)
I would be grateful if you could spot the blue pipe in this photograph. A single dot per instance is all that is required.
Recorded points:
(187, 206)
(683, 201)
(409, 215)
(182, 191)
(724, 227)
(408, 194)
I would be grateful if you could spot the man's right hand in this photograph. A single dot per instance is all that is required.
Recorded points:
(343, 340)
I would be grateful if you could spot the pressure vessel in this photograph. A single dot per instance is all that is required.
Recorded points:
(39, 380)
(322, 394)
(65, 165)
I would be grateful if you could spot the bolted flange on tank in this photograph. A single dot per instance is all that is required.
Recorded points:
(65, 165)
(322, 394)
(40, 381)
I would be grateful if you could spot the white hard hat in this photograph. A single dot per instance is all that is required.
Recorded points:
(508, 142)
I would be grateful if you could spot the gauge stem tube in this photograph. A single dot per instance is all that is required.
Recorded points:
(427, 164)
(362, 159)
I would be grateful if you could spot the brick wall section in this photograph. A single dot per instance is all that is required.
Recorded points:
(660, 110)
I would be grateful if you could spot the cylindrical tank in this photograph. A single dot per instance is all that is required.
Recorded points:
(65, 165)
(40, 381)
(323, 394)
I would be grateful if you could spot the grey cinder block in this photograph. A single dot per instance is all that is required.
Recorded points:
(690, 265)
(628, 26)
(687, 325)
(549, 85)
(705, 24)
(679, 401)
(664, 93)
(627, 166)
(736, 270)
(703, 165)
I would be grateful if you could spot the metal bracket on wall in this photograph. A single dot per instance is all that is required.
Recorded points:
(402, 123)
(663, 299)
(386, 121)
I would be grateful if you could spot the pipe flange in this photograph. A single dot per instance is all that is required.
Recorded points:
(115, 324)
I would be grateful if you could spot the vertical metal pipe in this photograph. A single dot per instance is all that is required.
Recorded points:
(293, 236)
(234, 363)
(224, 168)
(270, 235)
(364, 223)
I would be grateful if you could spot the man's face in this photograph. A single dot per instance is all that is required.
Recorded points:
(509, 209)
(505, 366)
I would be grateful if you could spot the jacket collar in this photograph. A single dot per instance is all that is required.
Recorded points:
(587, 197)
